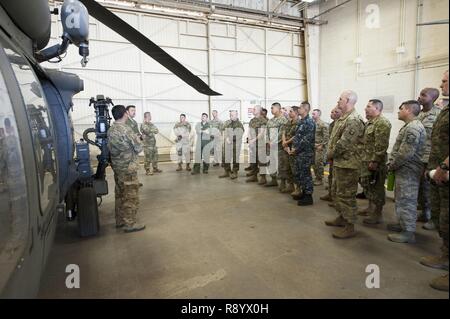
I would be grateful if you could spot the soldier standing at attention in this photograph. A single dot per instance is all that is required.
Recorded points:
(405, 161)
(274, 144)
(256, 131)
(131, 110)
(149, 130)
(440, 189)
(287, 138)
(303, 147)
(345, 147)
(124, 147)
(322, 136)
(182, 131)
(335, 115)
(374, 170)
(233, 133)
(427, 116)
(216, 126)
(203, 138)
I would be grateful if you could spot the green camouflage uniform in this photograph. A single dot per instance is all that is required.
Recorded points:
(216, 136)
(233, 132)
(183, 144)
(133, 125)
(330, 164)
(439, 194)
(203, 131)
(124, 147)
(289, 130)
(149, 130)
(256, 125)
(406, 161)
(376, 143)
(345, 151)
(322, 136)
(278, 161)
(427, 119)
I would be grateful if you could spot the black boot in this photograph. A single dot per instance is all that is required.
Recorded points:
(306, 200)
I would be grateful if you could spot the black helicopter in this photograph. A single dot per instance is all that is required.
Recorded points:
(43, 171)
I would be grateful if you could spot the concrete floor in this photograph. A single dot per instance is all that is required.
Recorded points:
(211, 238)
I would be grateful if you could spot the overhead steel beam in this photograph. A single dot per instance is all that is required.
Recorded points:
(433, 23)
(279, 5)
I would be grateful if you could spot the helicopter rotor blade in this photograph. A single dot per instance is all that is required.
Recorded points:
(112, 21)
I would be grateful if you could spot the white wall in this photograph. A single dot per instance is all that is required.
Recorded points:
(248, 65)
(382, 72)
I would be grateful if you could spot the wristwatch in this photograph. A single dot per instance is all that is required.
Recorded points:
(443, 166)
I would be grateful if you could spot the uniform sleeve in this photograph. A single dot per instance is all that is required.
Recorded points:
(304, 138)
(349, 138)
(135, 143)
(406, 150)
(326, 135)
(382, 133)
(153, 129)
(145, 129)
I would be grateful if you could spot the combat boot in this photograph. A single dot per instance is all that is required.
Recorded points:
(296, 191)
(282, 185)
(440, 283)
(250, 168)
(375, 218)
(338, 222)
(403, 237)
(306, 200)
(157, 170)
(326, 198)
(233, 175)
(262, 180)
(133, 228)
(298, 196)
(272, 183)
(437, 262)
(180, 168)
(367, 211)
(148, 172)
(347, 232)
(252, 179)
(332, 204)
(225, 175)
(394, 227)
(188, 167)
(251, 173)
(288, 189)
(430, 225)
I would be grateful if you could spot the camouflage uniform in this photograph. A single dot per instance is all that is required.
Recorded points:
(330, 165)
(233, 131)
(183, 144)
(133, 125)
(322, 136)
(427, 119)
(406, 161)
(439, 194)
(344, 149)
(278, 161)
(203, 138)
(376, 143)
(216, 136)
(124, 147)
(304, 145)
(289, 130)
(149, 130)
(255, 126)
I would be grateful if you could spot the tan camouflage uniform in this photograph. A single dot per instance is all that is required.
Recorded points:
(149, 130)
(322, 136)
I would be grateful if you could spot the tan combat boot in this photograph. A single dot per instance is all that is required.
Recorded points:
(437, 262)
(440, 283)
(347, 232)
(272, 183)
(375, 218)
(282, 185)
(296, 191)
(180, 167)
(367, 211)
(262, 180)
(338, 222)
(288, 189)
(188, 167)
(148, 172)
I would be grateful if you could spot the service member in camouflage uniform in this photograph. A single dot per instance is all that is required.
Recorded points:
(216, 126)
(405, 161)
(427, 116)
(131, 110)
(322, 136)
(124, 147)
(149, 130)
(345, 152)
(278, 160)
(374, 169)
(182, 131)
(288, 134)
(233, 133)
(440, 189)
(256, 143)
(303, 146)
(203, 131)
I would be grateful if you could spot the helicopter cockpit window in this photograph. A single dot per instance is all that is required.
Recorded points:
(40, 124)
(13, 203)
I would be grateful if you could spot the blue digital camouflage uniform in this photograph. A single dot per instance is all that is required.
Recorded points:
(304, 146)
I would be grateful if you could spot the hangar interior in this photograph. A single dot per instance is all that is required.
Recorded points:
(209, 238)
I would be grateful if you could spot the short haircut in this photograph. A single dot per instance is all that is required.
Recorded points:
(182, 115)
(215, 111)
(276, 104)
(118, 112)
(306, 106)
(130, 107)
(204, 114)
(351, 96)
(434, 92)
(412, 105)
(378, 103)
(264, 110)
(306, 103)
(318, 111)
(146, 113)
